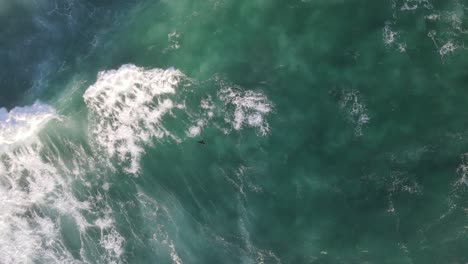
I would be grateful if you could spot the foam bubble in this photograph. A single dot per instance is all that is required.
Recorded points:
(463, 172)
(433, 17)
(113, 244)
(237, 107)
(126, 107)
(410, 5)
(446, 29)
(447, 48)
(250, 109)
(174, 256)
(352, 103)
(194, 131)
(173, 39)
(389, 36)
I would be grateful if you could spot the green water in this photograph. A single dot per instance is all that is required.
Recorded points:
(356, 155)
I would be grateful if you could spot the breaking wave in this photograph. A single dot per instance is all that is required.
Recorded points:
(127, 108)
(42, 166)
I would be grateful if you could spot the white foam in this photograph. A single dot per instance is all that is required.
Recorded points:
(237, 107)
(126, 107)
(389, 36)
(352, 103)
(447, 48)
(446, 33)
(250, 109)
(410, 5)
(392, 38)
(402, 47)
(463, 172)
(433, 17)
(173, 39)
(174, 256)
(113, 244)
(194, 131)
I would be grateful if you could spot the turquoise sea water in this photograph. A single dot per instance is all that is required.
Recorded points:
(336, 131)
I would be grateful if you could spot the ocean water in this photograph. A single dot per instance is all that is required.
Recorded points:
(335, 131)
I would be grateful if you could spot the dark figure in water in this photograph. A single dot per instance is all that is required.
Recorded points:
(201, 142)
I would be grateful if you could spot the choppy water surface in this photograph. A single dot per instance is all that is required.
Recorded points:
(334, 131)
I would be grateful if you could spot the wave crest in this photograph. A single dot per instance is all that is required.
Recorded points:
(126, 107)
(23, 123)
